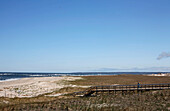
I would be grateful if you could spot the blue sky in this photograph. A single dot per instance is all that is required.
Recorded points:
(84, 35)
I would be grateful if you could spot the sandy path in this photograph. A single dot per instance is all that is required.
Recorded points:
(31, 87)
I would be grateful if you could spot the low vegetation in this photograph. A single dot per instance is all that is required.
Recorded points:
(121, 79)
(153, 100)
(150, 100)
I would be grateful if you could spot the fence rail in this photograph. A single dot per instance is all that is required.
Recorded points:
(115, 88)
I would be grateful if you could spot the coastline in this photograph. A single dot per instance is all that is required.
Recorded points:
(34, 93)
(35, 86)
(10, 79)
(32, 87)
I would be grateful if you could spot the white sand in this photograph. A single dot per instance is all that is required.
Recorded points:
(31, 87)
(167, 74)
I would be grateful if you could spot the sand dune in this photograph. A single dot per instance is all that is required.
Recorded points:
(31, 87)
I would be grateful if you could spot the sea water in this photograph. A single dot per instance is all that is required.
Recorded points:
(6, 76)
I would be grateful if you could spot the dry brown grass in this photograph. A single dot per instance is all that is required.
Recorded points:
(14, 101)
(87, 81)
(121, 79)
(70, 89)
(146, 101)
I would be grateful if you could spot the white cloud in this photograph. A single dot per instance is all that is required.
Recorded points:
(163, 55)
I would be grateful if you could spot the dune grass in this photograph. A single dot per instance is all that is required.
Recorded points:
(152, 100)
(120, 79)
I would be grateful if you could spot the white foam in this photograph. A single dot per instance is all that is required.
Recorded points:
(4, 74)
(37, 75)
(10, 79)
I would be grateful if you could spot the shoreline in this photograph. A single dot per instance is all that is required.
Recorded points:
(74, 84)
(35, 86)
(34, 76)
(12, 79)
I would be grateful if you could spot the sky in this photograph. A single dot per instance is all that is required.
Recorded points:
(84, 35)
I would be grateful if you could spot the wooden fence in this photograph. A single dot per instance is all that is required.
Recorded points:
(122, 88)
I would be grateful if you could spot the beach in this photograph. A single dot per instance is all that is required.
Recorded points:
(31, 87)
(35, 86)
(49, 92)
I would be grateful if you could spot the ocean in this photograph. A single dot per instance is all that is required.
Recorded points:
(7, 76)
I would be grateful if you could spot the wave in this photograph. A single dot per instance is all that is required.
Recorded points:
(4, 74)
(13, 79)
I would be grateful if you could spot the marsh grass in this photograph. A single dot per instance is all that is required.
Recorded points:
(70, 89)
(151, 100)
(120, 79)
